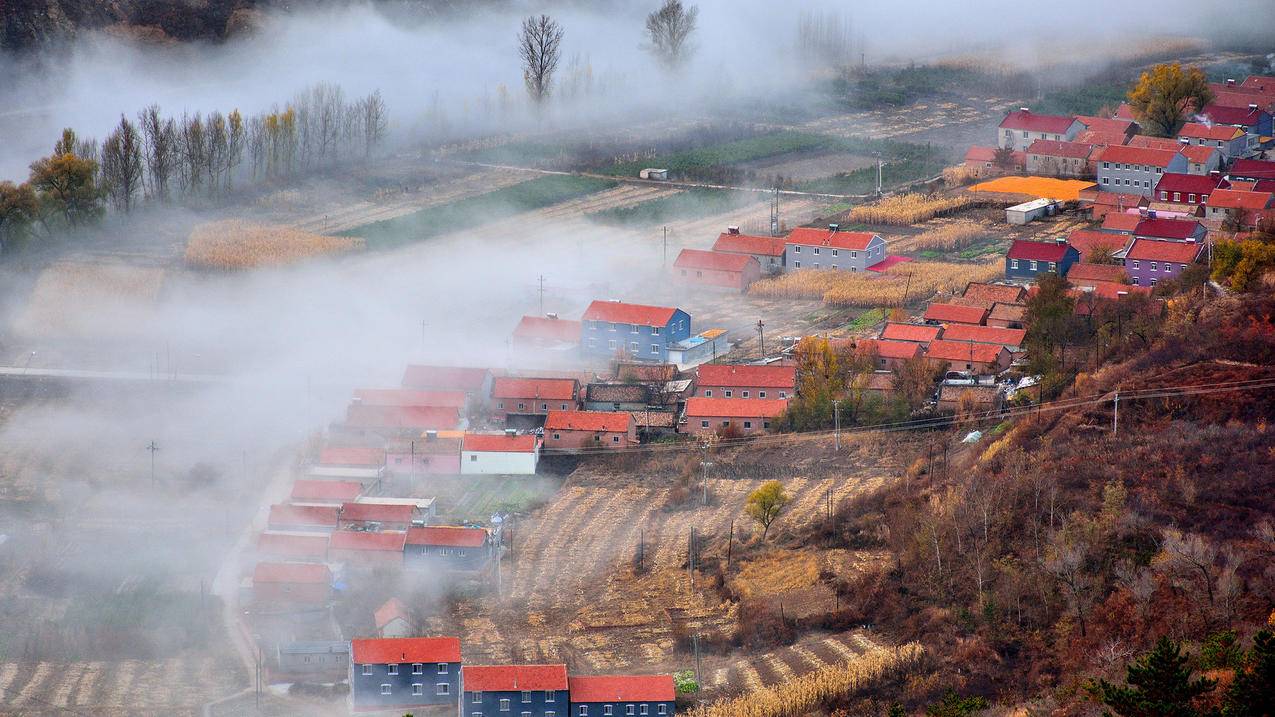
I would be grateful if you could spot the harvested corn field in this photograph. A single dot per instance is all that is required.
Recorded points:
(905, 209)
(1045, 187)
(233, 244)
(75, 299)
(957, 235)
(919, 280)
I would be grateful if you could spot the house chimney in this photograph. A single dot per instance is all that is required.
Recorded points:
(1122, 293)
(1024, 109)
(511, 432)
(1230, 82)
(1060, 240)
(1252, 107)
(732, 230)
(833, 227)
(431, 435)
(1184, 140)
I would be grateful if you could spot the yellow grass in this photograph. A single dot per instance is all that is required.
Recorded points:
(1045, 187)
(812, 690)
(908, 209)
(233, 244)
(90, 299)
(951, 236)
(776, 572)
(844, 288)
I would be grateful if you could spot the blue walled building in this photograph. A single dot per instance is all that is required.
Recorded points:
(622, 695)
(614, 329)
(1027, 260)
(515, 691)
(404, 673)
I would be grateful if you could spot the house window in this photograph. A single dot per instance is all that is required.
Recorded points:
(367, 669)
(418, 669)
(745, 394)
(661, 709)
(783, 394)
(854, 255)
(761, 394)
(816, 251)
(607, 710)
(644, 710)
(393, 669)
(1106, 165)
(418, 688)
(703, 424)
(1190, 198)
(1053, 266)
(748, 424)
(834, 266)
(725, 424)
(1135, 281)
(1168, 267)
(473, 457)
(765, 424)
(729, 393)
(615, 327)
(504, 705)
(708, 393)
(522, 406)
(551, 713)
(442, 688)
(1013, 263)
(584, 710)
(1154, 280)
(796, 264)
(655, 348)
(633, 347)
(796, 249)
(1135, 264)
(526, 696)
(477, 697)
(615, 439)
(549, 695)
(611, 344)
(834, 252)
(655, 331)
(634, 330)
(386, 689)
(628, 710)
(1154, 266)
(1182, 267)
(442, 668)
(1104, 180)
(1033, 265)
(544, 407)
(816, 265)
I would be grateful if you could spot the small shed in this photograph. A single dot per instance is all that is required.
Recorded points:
(1029, 211)
(653, 173)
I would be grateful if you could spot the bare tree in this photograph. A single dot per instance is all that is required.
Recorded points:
(1066, 560)
(193, 152)
(122, 164)
(375, 122)
(160, 137)
(234, 144)
(217, 148)
(257, 144)
(669, 29)
(540, 47)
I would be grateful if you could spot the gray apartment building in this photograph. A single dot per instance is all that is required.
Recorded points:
(1136, 170)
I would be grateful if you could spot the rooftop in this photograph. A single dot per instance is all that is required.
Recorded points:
(352, 456)
(1158, 250)
(457, 378)
(985, 334)
(394, 650)
(994, 292)
(622, 688)
(910, 332)
(1233, 199)
(1167, 228)
(736, 407)
(1025, 119)
(391, 542)
(1128, 154)
(390, 610)
(409, 397)
(889, 349)
(749, 244)
(618, 393)
(1088, 242)
(1055, 148)
(712, 260)
(333, 490)
(1038, 250)
(377, 512)
(817, 236)
(618, 312)
(553, 389)
(745, 375)
(944, 313)
(514, 678)
(964, 351)
(608, 421)
(299, 515)
(316, 573)
(420, 417)
(292, 544)
(1216, 132)
(1095, 272)
(499, 443)
(547, 328)
(454, 536)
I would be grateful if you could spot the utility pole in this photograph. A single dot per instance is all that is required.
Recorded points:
(152, 447)
(880, 164)
(704, 480)
(761, 338)
(907, 288)
(542, 294)
(836, 423)
(730, 544)
(774, 213)
(1115, 416)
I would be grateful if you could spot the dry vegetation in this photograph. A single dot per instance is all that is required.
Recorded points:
(81, 299)
(959, 175)
(233, 244)
(951, 236)
(842, 288)
(909, 209)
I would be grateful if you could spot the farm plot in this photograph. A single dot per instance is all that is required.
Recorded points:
(91, 300)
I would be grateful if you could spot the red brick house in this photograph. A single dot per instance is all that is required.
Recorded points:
(512, 396)
(955, 314)
(745, 381)
(969, 357)
(889, 354)
(359, 549)
(768, 251)
(583, 430)
(1060, 159)
(725, 415)
(302, 583)
(981, 161)
(695, 267)
(1089, 244)
(377, 516)
(1011, 339)
(916, 333)
(1249, 207)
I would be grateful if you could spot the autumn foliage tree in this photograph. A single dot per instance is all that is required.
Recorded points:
(66, 184)
(1165, 93)
(1241, 264)
(18, 209)
(766, 503)
(826, 372)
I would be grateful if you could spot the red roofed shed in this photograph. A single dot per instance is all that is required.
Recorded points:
(589, 430)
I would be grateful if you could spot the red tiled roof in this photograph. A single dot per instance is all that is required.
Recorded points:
(622, 688)
(421, 417)
(1032, 122)
(445, 377)
(499, 443)
(1232, 199)
(1122, 222)
(1239, 97)
(392, 650)
(608, 421)
(888, 349)
(553, 389)
(1198, 154)
(1088, 241)
(389, 611)
(1003, 293)
(284, 514)
(452, 536)
(1106, 124)
(815, 236)
(292, 545)
(1261, 83)
(1099, 138)
(317, 573)
(1220, 114)
(352, 456)
(618, 312)
(1038, 250)
(748, 244)
(1127, 154)
(1188, 183)
(988, 154)
(712, 260)
(1105, 290)
(335, 490)
(955, 313)
(543, 327)
(1253, 169)
(735, 407)
(910, 332)
(1124, 111)
(1199, 130)
(409, 397)
(1155, 250)
(744, 375)
(964, 351)
(391, 542)
(984, 334)
(514, 678)
(1167, 228)
(1095, 272)
(1007, 312)
(1054, 148)
(1146, 141)
(379, 512)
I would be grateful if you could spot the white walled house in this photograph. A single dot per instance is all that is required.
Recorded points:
(499, 454)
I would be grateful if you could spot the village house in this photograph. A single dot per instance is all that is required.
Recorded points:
(352, 457)
(1100, 203)
(1247, 209)
(324, 492)
(524, 401)
(291, 583)
(615, 329)
(451, 547)
(1232, 142)
(499, 454)
(981, 162)
(768, 251)
(995, 293)
(1201, 160)
(812, 248)
(1136, 170)
(721, 270)
(1060, 159)
(474, 382)
(1121, 223)
(1118, 126)
(378, 516)
(292, 546)
(745, 381)
(731, 416)
(310, 661)
(1007, 316)
(954, 314)
(393, 620)
(617, 397)
(916, 333)
(410, 397)
(1255, 121)
(1099, 138)
(361, 550)
(431, 453)
(404, 673)
(525, 690)
(546, 333)
(1022, 127)
(1188, 191)
(969, 357)
(1149, 261)
(1011, 339)
(1082, 274)
(1027, 260)
(589, 430)
(888, 354)
(1156, 227)
(1090, 244)
(303, 518)
(652, 424)
(602, 695)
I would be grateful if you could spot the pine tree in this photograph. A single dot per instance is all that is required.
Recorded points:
(1158, 684)
(1253, 692)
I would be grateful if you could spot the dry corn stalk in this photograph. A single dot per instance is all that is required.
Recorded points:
(887, 288)
(951, 236)
(908, 209)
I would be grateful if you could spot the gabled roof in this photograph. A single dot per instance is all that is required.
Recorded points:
(814, 236)
(1219, 132)
(1253, 169)
(749, 244)
(1167, 228)
(617, 393)
(618, 312)
(1156, 250)
(499, 443)
(452, 536)
(736, 407)
(964, 351)
(985, 334)
(409, 397)
(1008, 312)
(1233, 199)
(553, 389)
(746, 375)
(445, 377)
(390, 542)
(889, 349)
(944, 313)
(1099, 138)
(994, 292)
(292, 544)
(1240, 97)
(514, 678)
(1124, 111)
(1129, 154)
(1054, 148)
(1095, 272)
(1032, 122)
(621, 688)
(988, 154)
(1122, 222)
(352, 456)
(1245, 116)
(377, 512)
(712, 260)
(315, 573)
(335, 490)
(421, 417)
(910, 332)
(1114, 125)
(1087, 242)
(1192, 183)
(1261, 83)
(284, 514)
(1104, 290)
(608, 421)
(1147, 141)
(1198, 153)
(394, 650)
(548, 329)
(1038, 250)
(392, 609)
